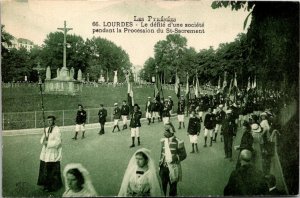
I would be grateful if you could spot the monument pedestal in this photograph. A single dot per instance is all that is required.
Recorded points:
(64, 83)
(62, 87)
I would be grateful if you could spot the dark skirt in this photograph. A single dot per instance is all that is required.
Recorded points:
(50, 175)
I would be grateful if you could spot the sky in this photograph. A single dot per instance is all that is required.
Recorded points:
(34, 19)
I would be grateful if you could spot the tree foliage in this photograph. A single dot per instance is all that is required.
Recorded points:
(105, 56)
(92, 56)
(272, 41)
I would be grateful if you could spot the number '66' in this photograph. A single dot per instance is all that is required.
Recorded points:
(95, 23)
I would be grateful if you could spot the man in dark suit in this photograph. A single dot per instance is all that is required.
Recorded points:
(135, 124)
(117, 116)
(220, 116)
(124, 113)
(180, 112)
(102, 118)
(148, 110)
(194, 128)
(172, 153)
(209, 124)
(228, 130)
(246, 180)
(155, 110)
(80, 121)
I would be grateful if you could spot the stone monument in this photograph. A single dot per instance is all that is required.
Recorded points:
(48, 73)
(79, 75)
(64, 83)
(115, 78)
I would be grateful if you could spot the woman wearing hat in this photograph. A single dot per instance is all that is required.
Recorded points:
(257, 140)
(246, 140)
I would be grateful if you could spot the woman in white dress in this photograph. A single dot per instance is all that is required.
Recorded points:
(140, 178)
(78, 182)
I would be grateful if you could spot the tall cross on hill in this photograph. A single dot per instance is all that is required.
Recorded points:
(65, 30)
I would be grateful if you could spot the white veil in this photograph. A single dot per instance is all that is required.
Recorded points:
(88, 186)
(155, 190)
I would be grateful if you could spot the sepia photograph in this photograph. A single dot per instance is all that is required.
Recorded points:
(149, 98)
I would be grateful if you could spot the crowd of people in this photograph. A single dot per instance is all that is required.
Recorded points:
(219, 115)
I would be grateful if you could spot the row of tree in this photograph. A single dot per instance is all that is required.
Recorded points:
(268, 52)
(172, 55)
(92, 56)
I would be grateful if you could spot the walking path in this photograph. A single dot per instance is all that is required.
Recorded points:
(107, 156)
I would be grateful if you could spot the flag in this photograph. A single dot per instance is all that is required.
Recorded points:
(235, 81)
(224, 81)
(219, 83)
(130, 99)
(187, 91)
(197, 87)
(254, 83)
(235, 88)
(249, 84)
(230, 87)
(158, 91)
(177, 86)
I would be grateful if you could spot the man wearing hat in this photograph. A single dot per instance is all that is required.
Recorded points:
(102, 113)
(264, 124)
(155, 110)
(172, 153)
(148, 110)
(80, 121)
(220, 116)
(229, 130)
(124, 113)
(180, 112)
(194, 128)
(201, 108)
(116, 116)
(171, 103)
(246, 180)
(135, 124)
(166, 114)
(209, 124)
(256, 132)
(266, 157)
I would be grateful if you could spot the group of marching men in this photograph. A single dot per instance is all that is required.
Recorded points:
(215, 108)
(219, 116)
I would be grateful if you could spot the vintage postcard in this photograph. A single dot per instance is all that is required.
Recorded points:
(149, 98)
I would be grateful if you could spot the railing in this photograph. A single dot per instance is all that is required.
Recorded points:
(34, 119)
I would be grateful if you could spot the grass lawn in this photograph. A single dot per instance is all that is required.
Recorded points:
(106, 157)
(23, 99)
(21, 106)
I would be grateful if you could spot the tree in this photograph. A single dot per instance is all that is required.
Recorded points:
(5, 41)
(149, 69)
(15, 65)
(106, 56)
(168, 55)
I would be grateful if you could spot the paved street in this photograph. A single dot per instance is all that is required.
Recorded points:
(106, 157)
